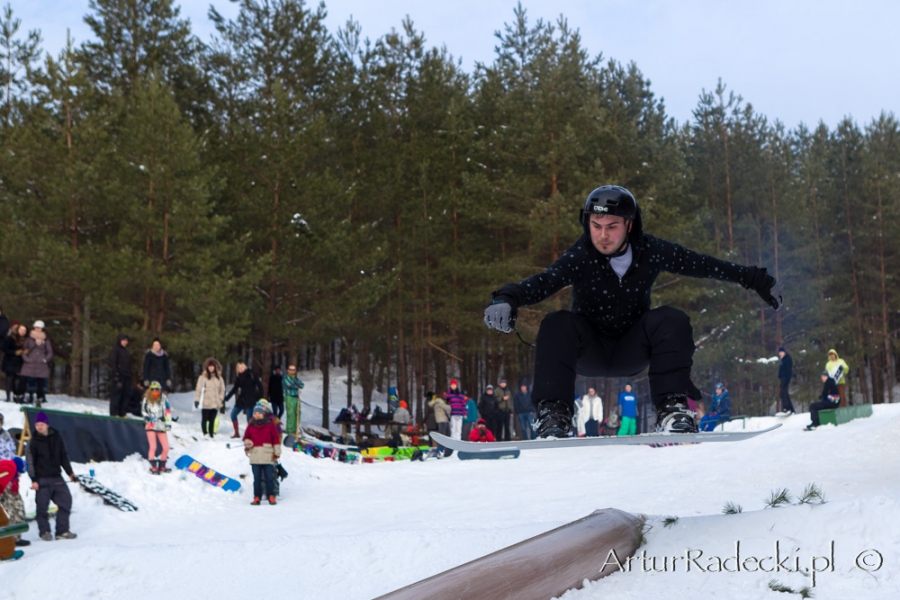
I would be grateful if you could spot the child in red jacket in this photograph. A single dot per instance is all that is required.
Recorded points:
(262, 443)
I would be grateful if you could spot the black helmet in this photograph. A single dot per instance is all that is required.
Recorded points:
(613, 200)
(610, 200)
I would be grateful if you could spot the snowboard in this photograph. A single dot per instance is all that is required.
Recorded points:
(210, 476)
(489, 454)
(51, 513)
(629, 440)
(109, 497)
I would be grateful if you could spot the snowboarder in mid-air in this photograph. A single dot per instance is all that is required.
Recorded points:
(611, 330)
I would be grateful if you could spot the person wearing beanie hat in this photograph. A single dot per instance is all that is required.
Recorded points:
(785, 372)
(488, 408)
(829, 398)
(45, 456)
(400, 420)
(480, 433)
(457, 402)
(13, 348)
(262, 444)
(158, 420)
(36, 356)
(627, 406)
(719, 409)
(471, 418)
(119, 363)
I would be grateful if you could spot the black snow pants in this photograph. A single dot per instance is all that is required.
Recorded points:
(569, 344)
(53, 489)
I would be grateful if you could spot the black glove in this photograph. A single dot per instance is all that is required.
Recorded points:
(196, 405)
(222, 410)
(500, 316)
(766, 286)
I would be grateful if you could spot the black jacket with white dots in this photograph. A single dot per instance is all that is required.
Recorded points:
(614, 304)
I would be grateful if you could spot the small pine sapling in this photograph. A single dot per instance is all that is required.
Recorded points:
(812, 494)
(777, 586)
(732, 508)
(669, 521)
(778, 498)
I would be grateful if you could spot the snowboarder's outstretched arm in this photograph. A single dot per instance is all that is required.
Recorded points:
(683, 261)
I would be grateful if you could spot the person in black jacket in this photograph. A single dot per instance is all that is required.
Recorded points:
(276, 391)
(524, 412)
(785, 372)
(13, 347)
(120, 374)
(247, 391)
(46, 454)
(611, 330)
(4, 325)
(157, 367)
(488, 408)
(829, 398)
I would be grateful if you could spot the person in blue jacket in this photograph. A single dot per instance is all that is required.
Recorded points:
(628, 411)
(719, 409)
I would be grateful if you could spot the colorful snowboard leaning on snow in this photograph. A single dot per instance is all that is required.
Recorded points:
(109, 497)
(211, 476)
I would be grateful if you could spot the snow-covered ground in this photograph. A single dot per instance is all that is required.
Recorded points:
(348, 532)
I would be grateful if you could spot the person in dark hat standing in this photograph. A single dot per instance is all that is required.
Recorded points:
(120, 374)
(785, 372)
(46, 455)
(611, 330)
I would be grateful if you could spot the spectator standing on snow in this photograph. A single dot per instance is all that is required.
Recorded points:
(119, 363)
(209, 395)
(13, 350)
(157, 366)
(589, 414)
(785, 372)
(276, 391)
(158, 421)
(291, 386)
(10, 499)
(46, 455)
(829, 398)
(457, 403)
(4, 325)
(487, 406)
(36, 362)
(524, 410)
(628, 411)
(247, 391)
(471, 417)
(504, 414)
(437, 415)
(481, 433)
(837, 369)
(262, 444)
(611, 424)
(719, 409)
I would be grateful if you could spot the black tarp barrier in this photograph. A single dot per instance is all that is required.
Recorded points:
(94, 437)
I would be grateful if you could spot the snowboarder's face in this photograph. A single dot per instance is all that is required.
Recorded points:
(609, 233)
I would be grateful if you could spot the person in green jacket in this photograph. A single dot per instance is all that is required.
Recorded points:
(292, 385)
(471, 417)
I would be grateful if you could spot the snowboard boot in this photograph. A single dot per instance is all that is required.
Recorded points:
(674, 416)
(163, 468)
(154, 467)
(554, 419)
(256, 501)
(271, 499)
(237, 432)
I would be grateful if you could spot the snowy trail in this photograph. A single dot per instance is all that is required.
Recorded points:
(349, 532)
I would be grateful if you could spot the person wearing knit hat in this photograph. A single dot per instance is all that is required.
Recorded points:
(785, 372)
(457, 402)
(262, 444)
(10, 499)
(481, 433)
(45, 456)
(38, 353)
(487, 408)
(158, 420)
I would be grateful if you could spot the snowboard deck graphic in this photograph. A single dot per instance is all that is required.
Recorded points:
(210, 476)
(629, 440)
(109, 497)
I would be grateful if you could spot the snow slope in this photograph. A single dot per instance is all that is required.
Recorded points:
(348, 532)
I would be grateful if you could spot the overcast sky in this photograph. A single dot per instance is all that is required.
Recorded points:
(794, 60)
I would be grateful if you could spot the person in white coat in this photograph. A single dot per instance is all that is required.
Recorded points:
(589, 414)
